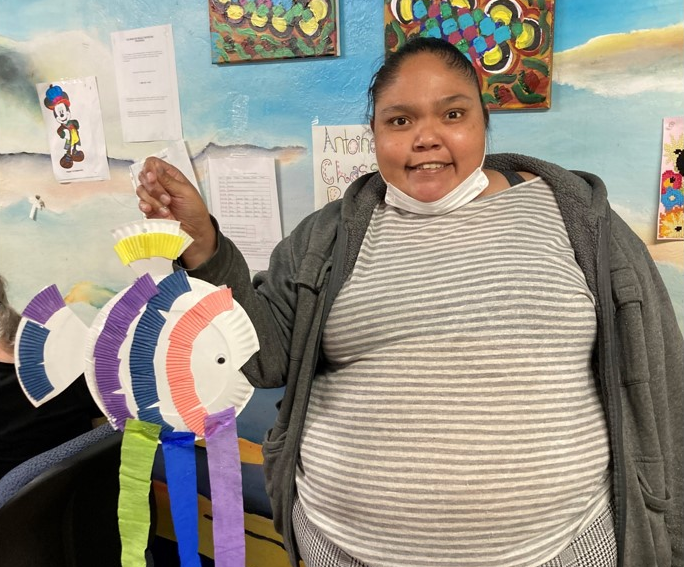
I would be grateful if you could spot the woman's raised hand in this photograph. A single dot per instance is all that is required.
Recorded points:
(165, 193)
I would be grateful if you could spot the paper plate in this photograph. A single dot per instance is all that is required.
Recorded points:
(142, 226)
(148, 246)
(199, 355)
(107, 378)
(49, 357)
(170, 357)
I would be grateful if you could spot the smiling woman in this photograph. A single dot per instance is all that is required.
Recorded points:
(429, 129)
(429, 124)
(448, 337)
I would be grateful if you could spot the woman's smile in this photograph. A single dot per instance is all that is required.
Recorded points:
(433, 166)
(433, 172)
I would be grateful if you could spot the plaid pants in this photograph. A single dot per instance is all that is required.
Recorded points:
(594, 547)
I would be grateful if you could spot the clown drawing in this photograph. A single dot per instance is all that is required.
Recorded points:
(58, 101)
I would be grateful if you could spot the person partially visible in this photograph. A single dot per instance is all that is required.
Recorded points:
(26, 431)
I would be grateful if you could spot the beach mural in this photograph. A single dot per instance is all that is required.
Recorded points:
(509, 42)
(616, 75)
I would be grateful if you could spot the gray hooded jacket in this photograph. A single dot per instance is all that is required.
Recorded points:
(638, 356)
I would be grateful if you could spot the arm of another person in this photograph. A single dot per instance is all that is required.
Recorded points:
(165, 193)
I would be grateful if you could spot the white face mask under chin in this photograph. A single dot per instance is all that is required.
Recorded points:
(460, 195)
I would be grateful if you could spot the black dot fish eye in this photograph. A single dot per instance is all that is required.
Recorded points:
(220, 359)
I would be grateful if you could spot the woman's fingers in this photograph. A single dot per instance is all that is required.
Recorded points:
(152, 207)
(160, 184)
(164, 192)
(164, 181)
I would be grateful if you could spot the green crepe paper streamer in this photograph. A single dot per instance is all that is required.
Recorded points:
(137, 455)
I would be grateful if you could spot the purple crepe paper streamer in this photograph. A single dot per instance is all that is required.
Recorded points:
(106, 351)
(44, 305)
(181, 478)
(225, 479)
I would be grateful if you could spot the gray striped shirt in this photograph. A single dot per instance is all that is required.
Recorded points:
(458, 421)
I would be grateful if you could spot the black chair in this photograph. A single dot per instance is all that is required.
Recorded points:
(59, 509)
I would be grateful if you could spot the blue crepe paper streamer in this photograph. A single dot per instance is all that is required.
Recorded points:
(181, 478)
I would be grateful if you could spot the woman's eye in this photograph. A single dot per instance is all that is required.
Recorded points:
(453, 114)
(399, 121)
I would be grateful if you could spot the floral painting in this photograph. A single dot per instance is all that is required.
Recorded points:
(671, 205)
(253, 30)
(510, 43)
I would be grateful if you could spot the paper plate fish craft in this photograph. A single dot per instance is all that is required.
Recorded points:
(163, 356)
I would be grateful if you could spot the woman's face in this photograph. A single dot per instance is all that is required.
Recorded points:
(429, 128)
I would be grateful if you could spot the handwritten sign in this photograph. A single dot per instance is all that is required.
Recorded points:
(341, 154)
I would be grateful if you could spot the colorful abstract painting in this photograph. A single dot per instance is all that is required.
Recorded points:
(255, 30)
(671, 205)
(510, 42)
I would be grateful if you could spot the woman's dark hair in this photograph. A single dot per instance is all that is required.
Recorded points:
(450, 54)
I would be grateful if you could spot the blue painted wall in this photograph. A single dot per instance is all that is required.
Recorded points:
(272, 105)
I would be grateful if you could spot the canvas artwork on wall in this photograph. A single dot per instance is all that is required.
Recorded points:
(510, 43)
(256, 30)
(671, 205)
